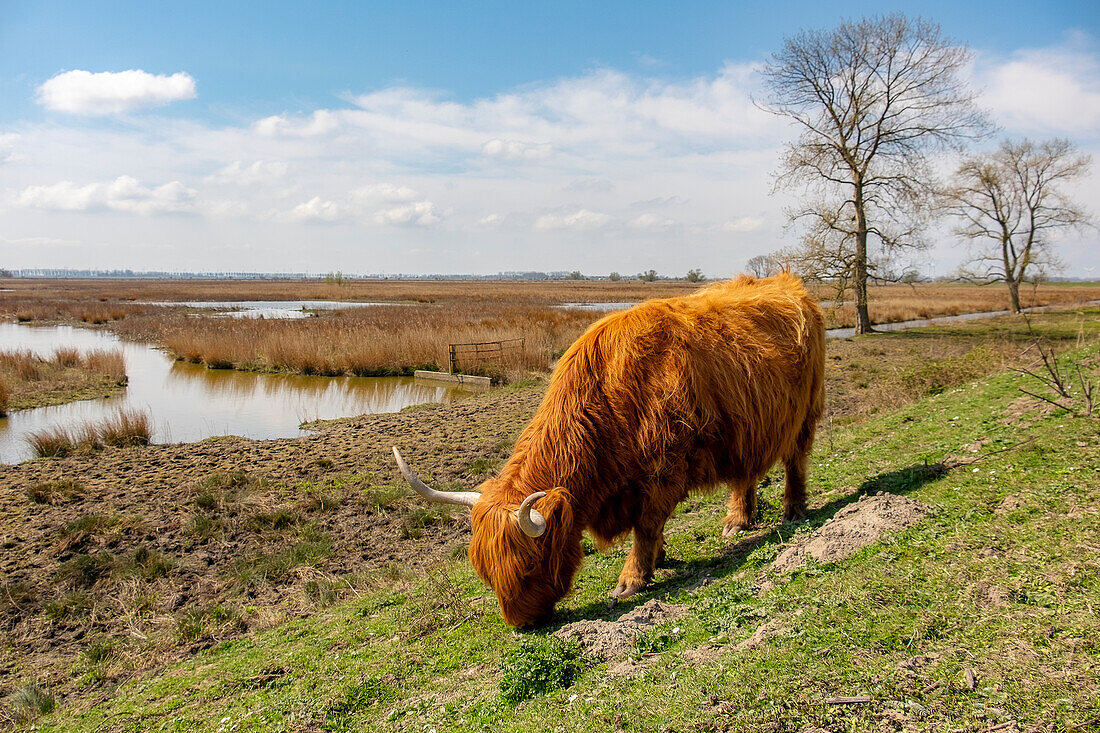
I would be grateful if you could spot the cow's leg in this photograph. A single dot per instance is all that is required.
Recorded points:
(742, 507)
(648, 550)
(794, 493)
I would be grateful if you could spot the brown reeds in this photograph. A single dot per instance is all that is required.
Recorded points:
(384, 340)
(110, 363)
(125, 428)
(5, 395)
(23, 364)
(67, 357)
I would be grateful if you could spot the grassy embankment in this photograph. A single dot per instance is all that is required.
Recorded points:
(29, 381)
(981, 615)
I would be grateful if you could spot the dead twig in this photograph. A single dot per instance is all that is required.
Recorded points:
(857, 700)
(982, 457)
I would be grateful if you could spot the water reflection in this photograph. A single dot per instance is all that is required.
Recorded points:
(268, 308)
(188, 402)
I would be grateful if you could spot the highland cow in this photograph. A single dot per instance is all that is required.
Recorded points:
(670, 397)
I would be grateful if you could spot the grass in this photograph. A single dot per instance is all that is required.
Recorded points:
(27, 380)
(125, 428)
(998, 585)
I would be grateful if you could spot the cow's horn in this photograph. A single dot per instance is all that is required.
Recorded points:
(465, 498)
(530, 520)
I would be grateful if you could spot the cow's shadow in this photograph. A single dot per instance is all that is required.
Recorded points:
(731, 558)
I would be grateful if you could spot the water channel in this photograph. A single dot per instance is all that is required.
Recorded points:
(189, 402)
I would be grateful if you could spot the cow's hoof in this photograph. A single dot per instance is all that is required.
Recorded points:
(625, 590)
(730, 530)
(794, 513)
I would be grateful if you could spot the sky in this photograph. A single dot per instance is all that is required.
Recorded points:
(442, 137)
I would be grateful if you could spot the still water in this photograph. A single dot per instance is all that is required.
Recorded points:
(188, 402)
(268, 308)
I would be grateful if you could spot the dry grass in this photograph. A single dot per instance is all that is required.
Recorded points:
(31, 381)
(126, 428)
(396, 339)
(23, 365)
(110, 363)
(894, 303)
(67, 357)
(5, 395)
(377, 341)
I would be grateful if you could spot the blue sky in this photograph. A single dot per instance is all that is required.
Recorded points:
(448, 137)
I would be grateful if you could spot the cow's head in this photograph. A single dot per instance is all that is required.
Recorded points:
(528, 555)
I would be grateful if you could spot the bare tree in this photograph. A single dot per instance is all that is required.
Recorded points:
(873, 99)
(1009, 203)
(764, 265)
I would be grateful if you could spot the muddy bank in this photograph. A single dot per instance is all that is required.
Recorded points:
(162, 550)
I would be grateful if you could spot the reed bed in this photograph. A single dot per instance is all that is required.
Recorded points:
(125, 428)
(67, 374)
(384, 340)
(106, 362)
(5, 396)
(23, 365)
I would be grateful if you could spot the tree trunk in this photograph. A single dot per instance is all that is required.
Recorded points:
(1013, 294)
(863, 315)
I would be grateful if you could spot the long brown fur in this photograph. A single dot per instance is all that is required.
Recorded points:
(672, 396)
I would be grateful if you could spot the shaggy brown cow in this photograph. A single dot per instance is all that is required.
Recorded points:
(669, 397)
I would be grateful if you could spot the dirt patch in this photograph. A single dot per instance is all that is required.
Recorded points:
(164, 549)
(853, 527)
(613, 640)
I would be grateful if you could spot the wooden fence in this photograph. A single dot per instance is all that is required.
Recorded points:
(485, 352)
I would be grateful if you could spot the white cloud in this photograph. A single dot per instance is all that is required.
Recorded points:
(491, 220)
(516, 150)
(105, 93)
(260, 171)
(125, 194)
(316, 210)
(651, 222)
(599, 185)
(384, 193)
(421, 213)
(743, 224)
(319, 123)
(8, 141)
(582, 220)
(1048, 91)
(382, 204)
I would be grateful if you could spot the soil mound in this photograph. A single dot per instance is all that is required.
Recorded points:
(610, 640)
(853, 527)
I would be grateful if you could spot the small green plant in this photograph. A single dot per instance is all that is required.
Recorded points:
(540, 664)
(100, 651)
(482, 466)
(203, 527)
(54, 492)
(146, 563)
(278, 519)
(380, 499)
(84, 570)
(31, 701)
(75, 605)
(89, 524)
(420, 517)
